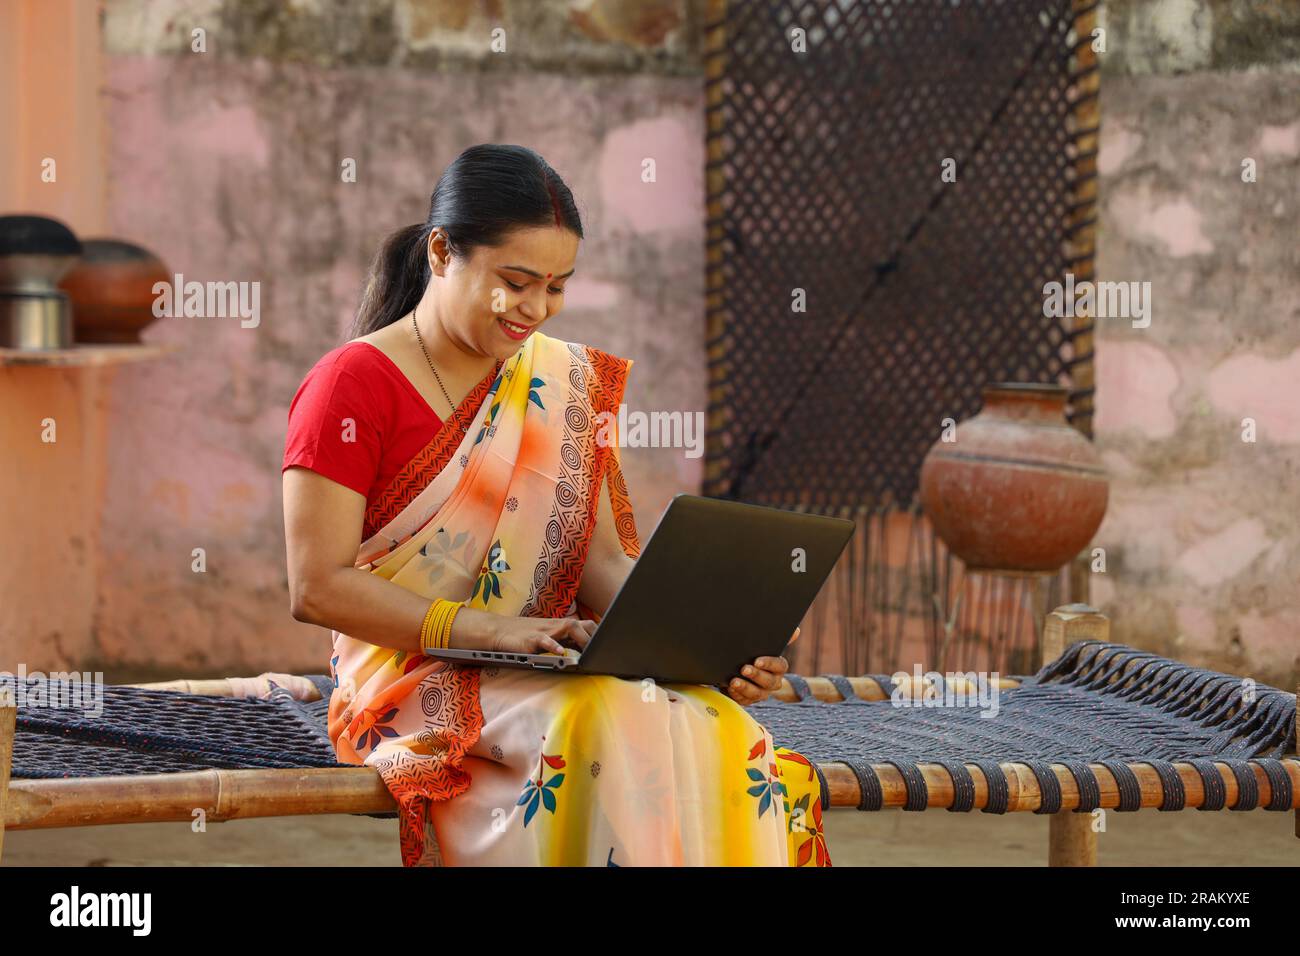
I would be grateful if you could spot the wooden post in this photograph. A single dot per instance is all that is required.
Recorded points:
(1081, 219)
(1081, 577)
(8, 725)
(718, 459)
(1038, 598)
(1071, 839)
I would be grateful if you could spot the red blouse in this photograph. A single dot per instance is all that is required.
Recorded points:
(357, 420)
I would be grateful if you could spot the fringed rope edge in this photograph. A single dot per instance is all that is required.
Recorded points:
(1252, 719)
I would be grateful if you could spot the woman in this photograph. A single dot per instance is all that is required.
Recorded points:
(449, 452)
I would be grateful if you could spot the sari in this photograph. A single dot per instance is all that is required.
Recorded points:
(505, 766)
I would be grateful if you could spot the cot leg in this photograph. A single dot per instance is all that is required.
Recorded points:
(1071, 841)
(8, 722)
(1071, 838)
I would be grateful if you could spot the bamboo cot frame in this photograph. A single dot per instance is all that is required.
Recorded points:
(242, 794)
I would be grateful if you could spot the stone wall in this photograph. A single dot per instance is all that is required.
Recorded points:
(1203, 534)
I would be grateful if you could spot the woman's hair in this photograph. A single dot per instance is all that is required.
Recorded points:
(487, 191)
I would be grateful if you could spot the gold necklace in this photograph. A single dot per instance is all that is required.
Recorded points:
(419, 338)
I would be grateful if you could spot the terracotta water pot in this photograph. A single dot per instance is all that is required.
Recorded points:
(112, 290)
(1019, 489)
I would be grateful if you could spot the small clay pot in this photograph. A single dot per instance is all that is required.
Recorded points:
(111, 289)
(1019, 490)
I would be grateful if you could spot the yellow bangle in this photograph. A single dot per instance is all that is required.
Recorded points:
(424, 626)
(442, 623)
(452, 610)
(435, 632)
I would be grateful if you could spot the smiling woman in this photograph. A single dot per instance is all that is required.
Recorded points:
(446, 465)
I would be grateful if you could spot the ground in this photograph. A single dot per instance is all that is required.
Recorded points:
(892, 838)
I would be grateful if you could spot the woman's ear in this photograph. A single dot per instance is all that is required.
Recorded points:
(438, 252)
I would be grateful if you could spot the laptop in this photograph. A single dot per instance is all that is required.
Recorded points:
(718, 584)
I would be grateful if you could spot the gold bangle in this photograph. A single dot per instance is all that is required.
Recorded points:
(435, 631)
(438, 628)
(452, 608)
(425, 630)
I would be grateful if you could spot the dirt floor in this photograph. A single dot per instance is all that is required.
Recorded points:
(891, 838)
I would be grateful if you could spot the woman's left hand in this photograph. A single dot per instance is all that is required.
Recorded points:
(760, 679)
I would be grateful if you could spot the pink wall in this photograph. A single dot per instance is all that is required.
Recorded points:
(229, 170)
(226, 164)
(1203, 532)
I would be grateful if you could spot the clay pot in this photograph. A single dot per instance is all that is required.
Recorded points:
(1019, 490)
(111, 289)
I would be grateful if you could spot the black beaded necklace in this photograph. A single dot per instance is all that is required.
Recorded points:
(419, 338)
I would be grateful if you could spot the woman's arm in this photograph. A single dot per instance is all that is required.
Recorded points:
(322, 525)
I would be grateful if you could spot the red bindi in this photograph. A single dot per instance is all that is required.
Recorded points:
(548, 275)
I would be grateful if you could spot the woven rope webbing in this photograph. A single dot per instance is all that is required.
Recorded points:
(1098, 703)
(153, 731)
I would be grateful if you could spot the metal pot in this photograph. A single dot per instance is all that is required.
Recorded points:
(35, 252)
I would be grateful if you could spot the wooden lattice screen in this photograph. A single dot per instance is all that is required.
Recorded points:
(826, 183)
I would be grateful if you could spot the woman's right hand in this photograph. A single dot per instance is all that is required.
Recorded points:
(521, 635)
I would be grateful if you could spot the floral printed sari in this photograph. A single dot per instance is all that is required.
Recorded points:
(503, 766)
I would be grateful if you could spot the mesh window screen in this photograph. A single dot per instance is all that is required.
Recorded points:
(917, 291)
(831, 126)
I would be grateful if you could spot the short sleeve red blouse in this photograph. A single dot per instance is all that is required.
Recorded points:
(357, 420)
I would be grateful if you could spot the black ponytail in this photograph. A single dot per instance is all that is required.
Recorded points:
(486, 192)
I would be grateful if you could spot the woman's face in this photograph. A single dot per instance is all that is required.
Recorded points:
(493, 301)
